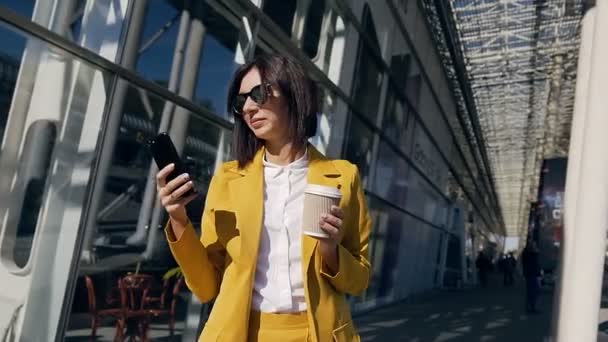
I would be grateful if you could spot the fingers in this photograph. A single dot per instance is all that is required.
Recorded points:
(182, 190)
(334, 233)
(174, 197)
(333, 220)
(337, 211)
(162, 175)
(331, 225)
(184, 201)
(170, 187)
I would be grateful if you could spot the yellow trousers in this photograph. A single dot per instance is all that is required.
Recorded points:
(283, 327)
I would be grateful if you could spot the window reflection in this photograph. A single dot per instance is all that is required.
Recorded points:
(390, 179)
(398, 123)
(22, 7)
(377, 244)
(218, 61)
(412, 87)
(45, 141)
(368, 76)
(385, 250)
(159, 36)
(9, 68)
(359, 146)
(312, 28)
(282, 12)
(453, 265)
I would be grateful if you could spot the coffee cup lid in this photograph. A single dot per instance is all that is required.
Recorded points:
(322, 190)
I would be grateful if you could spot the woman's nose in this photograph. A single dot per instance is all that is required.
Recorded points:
(250, 107)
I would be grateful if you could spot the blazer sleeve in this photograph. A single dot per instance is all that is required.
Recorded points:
(354, 268)
(201, 260)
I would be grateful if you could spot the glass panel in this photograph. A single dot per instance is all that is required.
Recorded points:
(29, 149)
(401, 61)
(453, 263)
(427, 158)
(391, 253)
(334, 58)
(368, 75)
(329, 137)
(413, 83)
(312, 30)
(49, 149)
(13, 47)
(397, 121)
(158, 39)
(22, 7)
(73, 19)
(282, 12)
(406, 256)
(359, 146)
(218, 61)
(378, 239)
(391, 176)
(428, 203)
(117, 244)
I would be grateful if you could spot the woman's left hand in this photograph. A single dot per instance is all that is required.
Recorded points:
(331, 223)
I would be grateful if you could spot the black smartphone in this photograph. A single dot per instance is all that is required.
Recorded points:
(164, 153)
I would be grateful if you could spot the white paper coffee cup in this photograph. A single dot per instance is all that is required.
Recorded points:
(318, 200)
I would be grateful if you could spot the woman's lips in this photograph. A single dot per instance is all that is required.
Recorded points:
(257, 122)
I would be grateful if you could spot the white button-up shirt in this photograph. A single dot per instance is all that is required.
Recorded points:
(279, 286)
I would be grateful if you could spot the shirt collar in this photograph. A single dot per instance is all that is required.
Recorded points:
(299, 164)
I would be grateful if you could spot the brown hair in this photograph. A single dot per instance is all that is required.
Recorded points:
(300, 92)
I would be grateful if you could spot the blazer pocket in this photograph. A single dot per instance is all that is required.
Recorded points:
(346, 333)
(209, 334)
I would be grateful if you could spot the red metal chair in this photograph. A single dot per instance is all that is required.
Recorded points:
(159, 301)
(96, 314)
(168, 311)
(134, 289)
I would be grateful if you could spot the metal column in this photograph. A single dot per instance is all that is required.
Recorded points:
(179, 123)
(574, 157)
(106, 153)
(584, 262)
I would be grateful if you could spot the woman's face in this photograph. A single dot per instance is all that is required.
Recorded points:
(268, 121)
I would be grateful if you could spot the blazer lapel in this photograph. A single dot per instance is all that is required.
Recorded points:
(247, 194)
(323, 172)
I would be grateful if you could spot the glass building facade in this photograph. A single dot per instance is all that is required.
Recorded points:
(84, 84)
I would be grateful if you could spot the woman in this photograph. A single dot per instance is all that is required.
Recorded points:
(269, 281)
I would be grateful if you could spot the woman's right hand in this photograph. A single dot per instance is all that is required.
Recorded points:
(171, 194)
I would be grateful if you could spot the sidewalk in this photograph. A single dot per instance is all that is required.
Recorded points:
(492, 314)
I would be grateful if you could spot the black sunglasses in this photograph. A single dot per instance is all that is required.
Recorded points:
(259, 94)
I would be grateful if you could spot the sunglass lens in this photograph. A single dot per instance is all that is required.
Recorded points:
(258, 94)
(239, 103)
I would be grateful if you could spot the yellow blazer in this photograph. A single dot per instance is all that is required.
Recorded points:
(221, 265)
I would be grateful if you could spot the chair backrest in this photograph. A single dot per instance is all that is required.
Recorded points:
(91, 294)
(176, 288)
(163, 295)
(134, 290)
